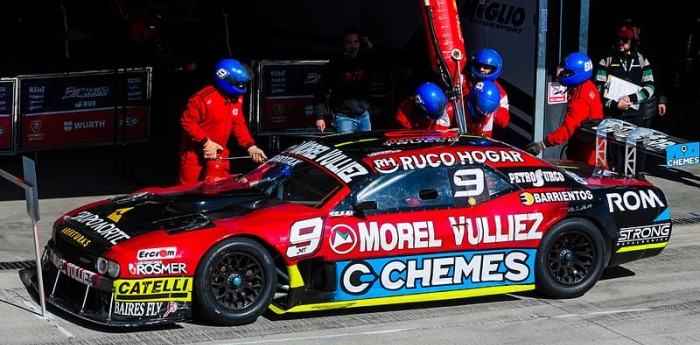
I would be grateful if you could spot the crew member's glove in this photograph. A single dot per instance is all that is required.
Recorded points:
(211, 149)
(535, 147)
(257, 154)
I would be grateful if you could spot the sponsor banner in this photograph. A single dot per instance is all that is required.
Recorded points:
(5, 133)
(83, 108)
(392, 237)
(287, 89)
(149, 268)
(683, 155)
(299, 79)
(407, 275)
(447, 159)
(286, 113)
(145, 309)
(89, 127)
(644, 234)
(162, 253)
(101, 227)
(633, 200)
(536, 177)
(75, 236)
(332, 159)
(177, 289)
(73, 271)
(562, 196)
(7, 97)
(82, 91)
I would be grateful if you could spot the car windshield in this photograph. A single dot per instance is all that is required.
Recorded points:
(301, 182)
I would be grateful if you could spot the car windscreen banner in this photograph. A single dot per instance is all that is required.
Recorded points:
(7, 114)
(84, 108)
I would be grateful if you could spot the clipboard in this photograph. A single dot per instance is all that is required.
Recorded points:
(616, 87)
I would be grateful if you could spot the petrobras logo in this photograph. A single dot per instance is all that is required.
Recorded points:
(162, 253)
(536, 178)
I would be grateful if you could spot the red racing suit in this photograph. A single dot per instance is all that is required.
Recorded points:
(408, 117)
(499, 117)
(583, 104)
(212, 115)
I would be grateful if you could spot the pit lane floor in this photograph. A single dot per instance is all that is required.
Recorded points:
(651, 301)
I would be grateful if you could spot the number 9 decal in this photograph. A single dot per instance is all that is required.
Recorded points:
(468, 182)
(305, 237)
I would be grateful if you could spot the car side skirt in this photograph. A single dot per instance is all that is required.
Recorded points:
(427, 297)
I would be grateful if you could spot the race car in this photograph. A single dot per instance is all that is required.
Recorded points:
(352, 220)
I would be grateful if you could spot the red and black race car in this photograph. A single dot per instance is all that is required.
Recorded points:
(352, 220)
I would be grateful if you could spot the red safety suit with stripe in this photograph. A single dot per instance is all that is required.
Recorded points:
(583, 104)
(210, 114)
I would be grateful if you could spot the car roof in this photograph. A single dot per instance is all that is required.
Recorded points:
(401, 147)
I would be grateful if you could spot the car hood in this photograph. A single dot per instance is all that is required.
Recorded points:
(121, 218)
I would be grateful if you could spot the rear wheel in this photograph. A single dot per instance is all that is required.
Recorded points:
(570, 259)
(235, 282)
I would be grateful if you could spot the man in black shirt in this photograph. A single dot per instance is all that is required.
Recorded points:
(348, 79)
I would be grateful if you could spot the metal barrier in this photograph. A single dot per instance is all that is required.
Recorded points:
(29, 184)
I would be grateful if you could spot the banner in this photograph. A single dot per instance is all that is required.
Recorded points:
(7, 115)
(286, 89)
(84, 108)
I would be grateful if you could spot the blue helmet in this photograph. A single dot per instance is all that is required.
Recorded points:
(576, 68)
(231, 75)
(488, 57)
(484, 98)
(431, 100)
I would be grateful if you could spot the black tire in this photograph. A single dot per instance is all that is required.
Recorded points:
(235, 282)
(570, 259)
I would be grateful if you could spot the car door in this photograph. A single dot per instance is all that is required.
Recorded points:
(401, 233)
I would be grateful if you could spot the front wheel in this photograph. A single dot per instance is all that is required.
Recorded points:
(235, 282)
(570, 259)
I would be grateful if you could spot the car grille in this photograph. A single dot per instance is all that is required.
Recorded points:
(75, 254)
